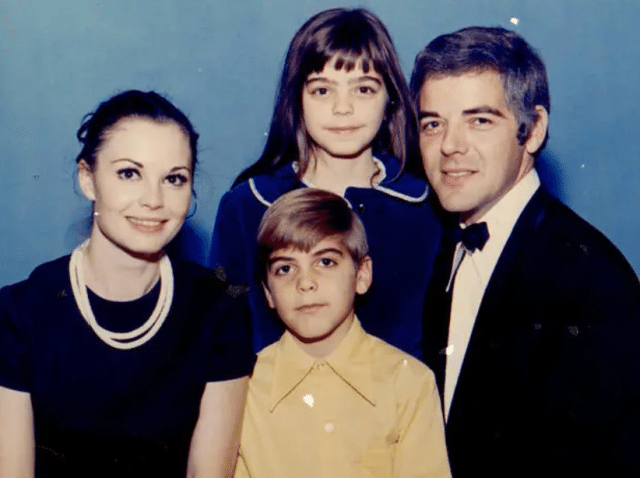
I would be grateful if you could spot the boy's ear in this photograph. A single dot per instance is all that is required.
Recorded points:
(364, 275)
(85, 180)
(267, 293)
(539, 130)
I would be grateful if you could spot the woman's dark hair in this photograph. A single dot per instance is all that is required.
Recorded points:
(353, 37)
(131, 104)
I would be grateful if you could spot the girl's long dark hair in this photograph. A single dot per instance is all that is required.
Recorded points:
(351, 36)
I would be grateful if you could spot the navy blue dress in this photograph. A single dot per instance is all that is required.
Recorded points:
(403, 234)
(99, 411)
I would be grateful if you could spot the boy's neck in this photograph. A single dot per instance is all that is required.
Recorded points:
(337, 174)
(327, 345)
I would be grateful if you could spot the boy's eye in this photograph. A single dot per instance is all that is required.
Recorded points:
(327, 262)
(128, 173)
(177, 179)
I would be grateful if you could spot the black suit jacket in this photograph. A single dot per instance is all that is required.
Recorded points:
(549, 385)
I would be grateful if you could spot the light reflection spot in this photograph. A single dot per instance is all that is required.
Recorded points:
(514, 20)
(308, 399)
(329, 427)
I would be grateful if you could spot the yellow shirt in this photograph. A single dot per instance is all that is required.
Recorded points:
(366, 410)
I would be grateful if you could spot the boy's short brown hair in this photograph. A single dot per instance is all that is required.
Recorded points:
(304, 217)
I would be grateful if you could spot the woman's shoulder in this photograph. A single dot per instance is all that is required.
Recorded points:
(203, 282)
(48, 280)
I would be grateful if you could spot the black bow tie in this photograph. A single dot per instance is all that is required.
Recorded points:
(472, 237)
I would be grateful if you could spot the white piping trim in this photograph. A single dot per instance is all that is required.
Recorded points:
(405, 197)
(255, 192)
(391, 192)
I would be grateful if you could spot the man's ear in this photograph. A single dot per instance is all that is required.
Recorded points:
(539, 131)
(364, 275)
(85, 180)
(267, 293)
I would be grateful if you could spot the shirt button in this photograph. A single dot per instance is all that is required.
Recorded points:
(320, 366)
(329, 427)
(360, 208)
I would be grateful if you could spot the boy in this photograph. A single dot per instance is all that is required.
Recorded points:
(327, 399)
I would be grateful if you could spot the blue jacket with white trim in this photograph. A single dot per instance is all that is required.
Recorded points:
(403, 234)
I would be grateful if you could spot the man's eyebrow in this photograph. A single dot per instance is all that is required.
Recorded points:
(483, 110)
(273, 259)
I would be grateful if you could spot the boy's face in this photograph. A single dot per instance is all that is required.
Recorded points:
(313, 292)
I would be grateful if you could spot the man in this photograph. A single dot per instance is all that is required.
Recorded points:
(532, 320)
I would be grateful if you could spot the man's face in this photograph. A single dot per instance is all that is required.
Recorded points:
(468, 142)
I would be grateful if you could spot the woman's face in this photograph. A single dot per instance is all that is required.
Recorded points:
(141, 184)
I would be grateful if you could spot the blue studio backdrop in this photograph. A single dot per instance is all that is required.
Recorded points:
(220, 60)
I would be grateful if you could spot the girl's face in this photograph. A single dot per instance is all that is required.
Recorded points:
(343, 110)
(141, 184)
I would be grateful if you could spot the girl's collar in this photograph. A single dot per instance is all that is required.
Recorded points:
(268, 187)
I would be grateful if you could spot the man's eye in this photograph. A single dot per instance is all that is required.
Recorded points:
(326, 262)
(481, 121)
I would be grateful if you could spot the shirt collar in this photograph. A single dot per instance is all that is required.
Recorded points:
(502, 217)
(269, 187)
(351, 361)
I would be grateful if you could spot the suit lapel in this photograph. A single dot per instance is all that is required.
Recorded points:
(490, 321)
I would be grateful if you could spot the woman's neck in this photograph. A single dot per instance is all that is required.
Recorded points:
(337, 174)
(114, 274)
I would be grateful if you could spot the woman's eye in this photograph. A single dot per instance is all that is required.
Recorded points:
(128, 173)
(177, 179)
(366, 90)
(321, 91)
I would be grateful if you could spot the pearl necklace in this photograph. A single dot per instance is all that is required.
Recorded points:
(121, 340)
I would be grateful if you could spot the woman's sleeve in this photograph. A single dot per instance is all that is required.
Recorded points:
(228, 248)
(232, 354)
(14, 353)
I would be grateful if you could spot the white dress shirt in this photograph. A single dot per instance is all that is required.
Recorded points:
(474, 272)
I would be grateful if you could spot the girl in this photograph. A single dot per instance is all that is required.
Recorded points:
(117, 361)
(343, 122)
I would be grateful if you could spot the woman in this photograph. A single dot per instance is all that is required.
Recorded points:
(117, 361)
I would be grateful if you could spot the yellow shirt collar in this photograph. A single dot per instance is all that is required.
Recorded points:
(351, 361)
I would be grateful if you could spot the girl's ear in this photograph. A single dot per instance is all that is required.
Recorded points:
(267, 293)
(364, 275)
(85, 180)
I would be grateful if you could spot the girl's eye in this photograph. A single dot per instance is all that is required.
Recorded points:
(128, 173)
(321, 91)
(429, 127)
(177, 179)
(282, 270)
(366, 90)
